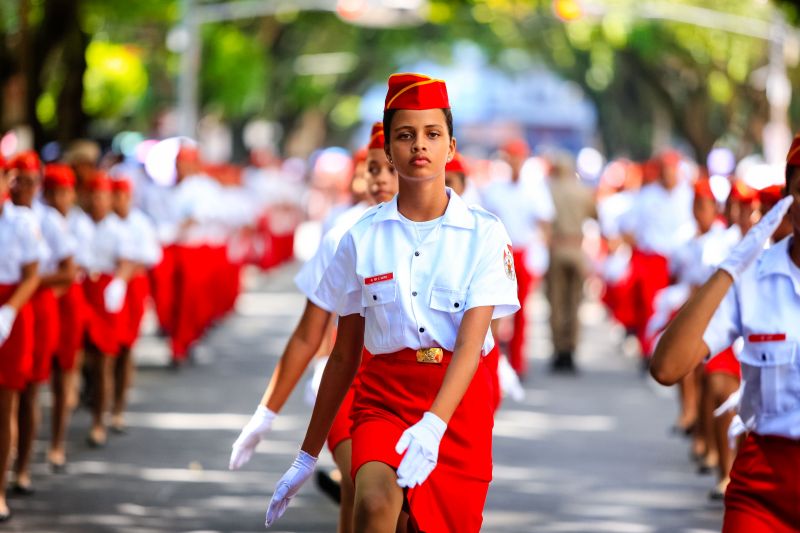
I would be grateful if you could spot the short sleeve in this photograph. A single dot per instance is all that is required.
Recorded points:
(339, 289)
(494, 282)
(29, 236)
(725, 326)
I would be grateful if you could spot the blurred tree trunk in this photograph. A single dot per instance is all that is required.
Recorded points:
(72, 121)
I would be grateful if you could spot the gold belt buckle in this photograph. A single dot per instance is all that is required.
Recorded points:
(430, 355)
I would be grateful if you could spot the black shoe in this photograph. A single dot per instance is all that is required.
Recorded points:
(330, 487)
(22, 490)
(563, 363)
(5, 517)
(94, 443)
(57, 468)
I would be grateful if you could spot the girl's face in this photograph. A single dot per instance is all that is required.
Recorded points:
(99, 204)
(381, 176)
(705, 212)
(24, 187)
(60, 198)
(420, 144)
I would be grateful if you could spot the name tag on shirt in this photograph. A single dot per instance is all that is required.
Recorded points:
(379, 278)
(767, 337)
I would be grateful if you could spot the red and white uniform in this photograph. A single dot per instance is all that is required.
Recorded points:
(763, 307)
(660, 221)
(413, 295)
(57, 245)
(109, 243)
(616, 269)
(20, 242)
(522, 206)
(141, 234)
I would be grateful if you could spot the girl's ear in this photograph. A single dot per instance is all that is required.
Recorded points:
(451, 153)
(388, 152)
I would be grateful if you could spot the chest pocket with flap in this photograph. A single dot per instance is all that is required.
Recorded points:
(383, 319)
(772, 378)
(450, 301)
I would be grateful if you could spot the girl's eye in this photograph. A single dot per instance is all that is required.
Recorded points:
(433, 134)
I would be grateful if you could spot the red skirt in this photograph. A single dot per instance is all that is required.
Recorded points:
(102, 327)
(194, 304)
(131, 315)
(492, 360)
(72, 317)
(724, 362)
(340, 430)
(162, 283)
(16, 353)
(650, 274)
(764, 493)
(394, 393)
(47, 332)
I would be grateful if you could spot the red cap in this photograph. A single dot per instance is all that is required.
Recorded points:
(416, 91)
(742, 193)
(58, 175)
(770, 195)
(27, 160)
(793, 157)
(188, 153)
(670, 158)
(456, 165)
(702, 189)
(121, 184)
(376, 138)
(99, 182)
(651, 170)
(517, 147)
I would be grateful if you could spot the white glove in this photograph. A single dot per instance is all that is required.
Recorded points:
(255, 430)
(420, 442)
(288, 485)
(114, 295)
(509, 380)
(7, 316)
(751, 246)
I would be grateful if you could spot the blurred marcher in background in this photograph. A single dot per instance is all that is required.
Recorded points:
(574, 203)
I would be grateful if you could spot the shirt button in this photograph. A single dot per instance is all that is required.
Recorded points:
(416, 253)
(456, 304)
(374, 296)
(422, 330)
(414, 293)
(763, 357)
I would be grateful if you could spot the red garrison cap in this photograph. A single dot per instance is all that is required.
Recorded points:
(99, 182)
(456, 165)
(702, 189)
(376, 139)
(58, 175)
(188, 153)
(517, 147)
(770, 195)
(793, 157)
(742, 193)
(416, 91)
(121, 184)
(27, 160)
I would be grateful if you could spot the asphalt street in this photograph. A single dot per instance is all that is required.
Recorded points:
(587, 453)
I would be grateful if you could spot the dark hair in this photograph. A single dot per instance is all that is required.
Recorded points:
(790, 170)
(388, 115)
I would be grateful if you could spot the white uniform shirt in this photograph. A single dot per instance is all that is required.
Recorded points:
(309, 276)
(199, 198)
(661, 220)
(59, 243)
(763, 307)
(695, 261)
(520, 206)
(141, 234)
(81, 228)
(20, 242)
(108, 244)
(414, 294)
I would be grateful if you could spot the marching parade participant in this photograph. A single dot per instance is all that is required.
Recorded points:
(660, 222)
(110, 264)
(428, 273)
(20, 240)
(753, 295)
(56, 271)
(143, 242)
(526, 210)
(59, 195)
(309, 334)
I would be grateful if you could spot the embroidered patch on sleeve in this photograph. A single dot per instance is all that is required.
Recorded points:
(508, 262)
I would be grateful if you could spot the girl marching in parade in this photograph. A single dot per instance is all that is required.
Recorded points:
(755, 295)
(428, 273)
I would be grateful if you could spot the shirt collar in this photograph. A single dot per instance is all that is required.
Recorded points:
(457, 213)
